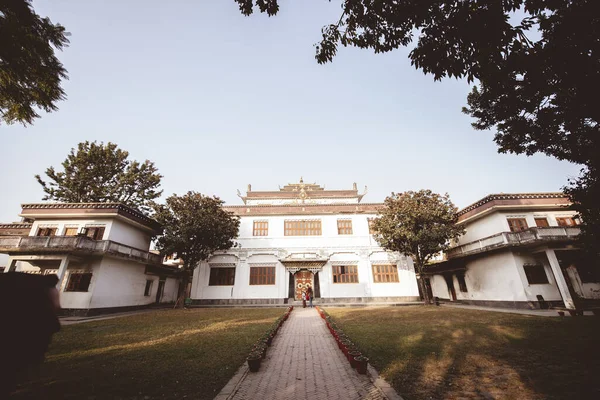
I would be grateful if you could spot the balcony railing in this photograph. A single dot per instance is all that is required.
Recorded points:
(76, 245)
(506, 239)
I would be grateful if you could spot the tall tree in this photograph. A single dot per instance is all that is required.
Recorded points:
(98, 172)
(195, 226)
(539, 94)
(30, 73)
(418, 224)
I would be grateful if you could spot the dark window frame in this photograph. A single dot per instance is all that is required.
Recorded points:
(344, 226)
(148, 288)
(462, 283)
(517, 224)
(221, 276)
(260, 276)
(46, 232)
(94, 232)
(545, 224)
(260, 228)
(344, 274)
(385, 273)
(536, 274)
(79, 282)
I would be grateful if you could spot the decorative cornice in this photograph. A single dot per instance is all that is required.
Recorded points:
(16, 226)
(510, 196)
(119, 208)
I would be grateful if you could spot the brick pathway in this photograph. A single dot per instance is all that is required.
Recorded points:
(304, 362)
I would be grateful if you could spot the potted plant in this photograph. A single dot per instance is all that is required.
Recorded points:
(253, 360)
(352, 354)
(361, 364)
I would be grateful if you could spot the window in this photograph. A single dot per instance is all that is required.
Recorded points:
(385, 273)
(261, 228)
(262, 275)
(95, 233)
(565, 221)
(78, 282)
(517, 224)
(536, 274)
(541, 222)
(70, 231)
(345, 273)
(148, 288)
(221, 277)
(462, 284)
(371, 226)
(303, 228)
(344, 226)
(46, 232)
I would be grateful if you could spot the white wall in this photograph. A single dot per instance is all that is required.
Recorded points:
(61, 224)
(115, 230)
(81, 300)
(496, 222)
(120, 283)
(170, 291)
(548, 290)
(493, 277)
(129, 235)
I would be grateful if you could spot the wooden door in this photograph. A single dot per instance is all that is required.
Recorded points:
(302, 279)
(159, 291)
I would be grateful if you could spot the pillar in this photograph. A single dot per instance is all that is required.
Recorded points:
(559, 277)
(12, 265)
(62, 269)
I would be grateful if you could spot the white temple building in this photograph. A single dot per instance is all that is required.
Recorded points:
(100, 252)
(301, 235)
(519, 251)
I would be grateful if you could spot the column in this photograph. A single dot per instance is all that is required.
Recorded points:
(62, 269)
(560, 280)
(12, 265)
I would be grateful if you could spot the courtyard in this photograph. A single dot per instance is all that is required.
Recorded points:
(424, 352)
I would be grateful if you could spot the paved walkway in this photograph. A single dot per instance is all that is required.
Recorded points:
(304, 362)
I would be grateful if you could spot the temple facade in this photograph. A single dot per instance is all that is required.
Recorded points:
(304, 235)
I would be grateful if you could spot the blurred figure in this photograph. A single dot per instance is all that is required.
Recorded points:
(28, 315)
(309, 295)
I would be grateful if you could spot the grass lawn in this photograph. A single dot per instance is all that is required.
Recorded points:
(445, 353)
(166, 354)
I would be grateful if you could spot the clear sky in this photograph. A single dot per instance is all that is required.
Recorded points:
(218, 100)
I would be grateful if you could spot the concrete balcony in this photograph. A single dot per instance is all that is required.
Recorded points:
(531, 236)
(77, 245)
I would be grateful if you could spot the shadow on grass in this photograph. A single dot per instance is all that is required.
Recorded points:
(165, 355)
(428, 352)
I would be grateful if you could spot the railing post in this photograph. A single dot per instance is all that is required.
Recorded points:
(48, 241)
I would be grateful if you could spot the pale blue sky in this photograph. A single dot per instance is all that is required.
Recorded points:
(218, 100)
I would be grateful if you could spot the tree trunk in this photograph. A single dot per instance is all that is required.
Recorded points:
(185, 280)
(424, 291)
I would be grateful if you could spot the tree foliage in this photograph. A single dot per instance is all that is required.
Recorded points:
(30, 73)
(537, 63)
(418, 224)
(195, 226)
(98, 173)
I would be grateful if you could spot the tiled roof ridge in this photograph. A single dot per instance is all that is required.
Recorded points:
(16, 225)
(510, 196)
(119, 206)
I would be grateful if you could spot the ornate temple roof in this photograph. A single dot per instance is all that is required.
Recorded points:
(302, 193)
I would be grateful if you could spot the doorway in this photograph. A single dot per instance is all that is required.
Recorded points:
(159, 291)
(302, 280)
(450, 284)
